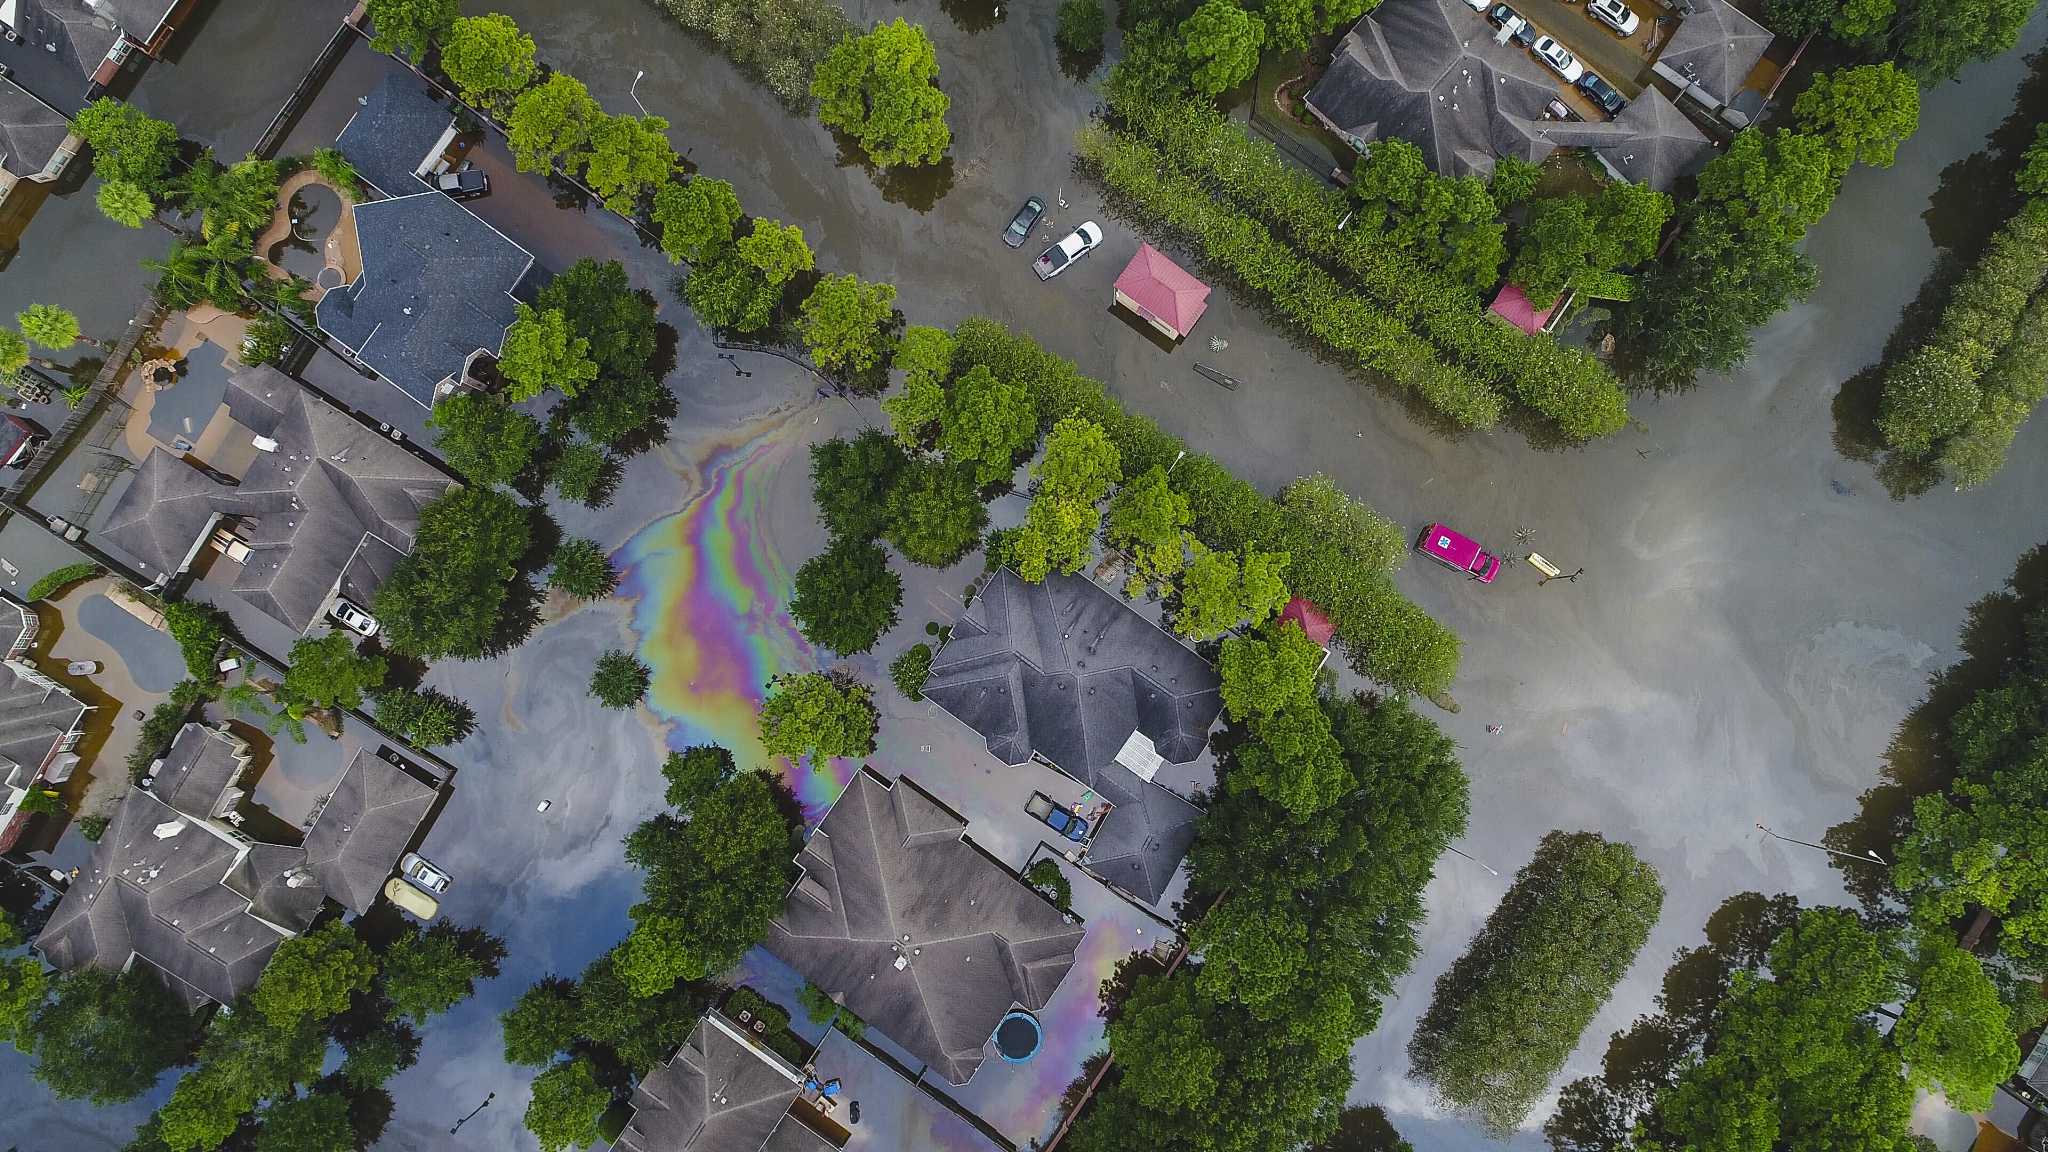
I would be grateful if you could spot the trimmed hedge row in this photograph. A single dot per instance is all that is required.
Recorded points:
(1341, 552)
(1568, 386)
(1291, 284)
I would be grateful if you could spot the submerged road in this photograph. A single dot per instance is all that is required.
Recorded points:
(1755, 619)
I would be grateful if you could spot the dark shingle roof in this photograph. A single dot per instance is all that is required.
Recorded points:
(389, 137)
(915, 929)
(30, 131)
(1066, 670)
(198, 769)
(1663, 145)
(721, 1092)
(1716, 46)
(333, 501)
(35, 713)
(81, 37)
(363, 830)
(436, 286)
(138, 18)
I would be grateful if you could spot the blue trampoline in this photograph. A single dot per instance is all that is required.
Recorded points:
(1018, 1036)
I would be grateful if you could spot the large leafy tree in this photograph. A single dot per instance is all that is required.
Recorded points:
(315, 1123)
(329, 672)
(935, 516)
(1509, 1012)
(1264, 675)
(717, 874)
(484, 438)
(1223, 42)
(988, 424)
(1933, 40)
(313, 975)
(618, 321)
(126, 204)
(105, 1037)
(429, 970)
(925, 355)
(410, 26)
(1575, 237)
(881, 89)
(567, 1101)
(581, 568)
(776, 250)
(851, 483)
(541, 1023)
(541, 351)
(127, 146)
(1863, 114)
(49, 325)
(23, 989)
(696, 217)
(1220, 590)
(729, 294)
(550, 122)
(488, 58)
(619, 679)
(695, 773)
(1956, 1032)
(444, 598)
(424, 719)
(845, 323)
(1149, 519)
(846, 597)
(626, 157)
(1080, 466)
(818, 715)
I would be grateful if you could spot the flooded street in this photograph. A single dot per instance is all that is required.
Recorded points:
(1755, 618)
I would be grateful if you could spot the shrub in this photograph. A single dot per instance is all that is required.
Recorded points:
(745, 999)
(199, 630)
(909, 670)
(162, 724)
(1047, 878)
(93, 827)
(269, 339)
(58, 579)
(427, 718)
(581, 569)
(1081, 25)
(620, 679)
(777, 42)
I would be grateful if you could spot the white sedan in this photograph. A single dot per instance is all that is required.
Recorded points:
(1615, 15)
(1561, 62)
(1074, 245)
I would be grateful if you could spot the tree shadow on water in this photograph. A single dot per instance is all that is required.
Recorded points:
(972, 16)
(916, 187)
(1919, 761)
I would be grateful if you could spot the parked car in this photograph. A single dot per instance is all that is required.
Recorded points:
(468, 184)
(1602, 93)
(423, 874)
(1512, 26)
(1477, 5)
(411, 899)
(1074, 245)
(1042, 808)
(1615, 15)
(1454, 549)
(353, 618)
(1561, 62)
(1021, 224)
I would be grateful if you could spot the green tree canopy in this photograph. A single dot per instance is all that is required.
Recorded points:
(847, 596)
(1080, 26)
(541, 1023)
(315, 1123)
(776, 250)
(1510, 1011)
(694, 773)
(444, 598)
(583, 472)
(1263, 675)
(728, 293)
(410, 26)
(696, 217)
(52, 327)
(602, 307)
(1148, 519)
(852, 481)
(619, 679)
(845, 323)
(482, 437)
(925, 354)
(124, 203)
(988, 424)
(430, 970)
(1223, 43)
(1956, 1032)
(425, 719)
(626, 157)
(1218, 591)
(127, 146)
(1079, 467)
(105, 1037)
(935, 516)
(909, 671)
(488, 58)
(881, 90)
(13, 352)
(1933, 41)
(1055, 537)
(819, 715)
(581, 568)
(313, 975)
(567, 1100)
(328, 672)
(540, 352)
(551, 121)
(1863, 114)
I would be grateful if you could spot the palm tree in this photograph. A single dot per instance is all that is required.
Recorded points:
(209, 271)
(52, 327)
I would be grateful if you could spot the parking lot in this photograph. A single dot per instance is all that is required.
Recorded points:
(1623, 62)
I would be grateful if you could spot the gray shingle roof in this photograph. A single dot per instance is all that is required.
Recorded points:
(390, 136)
(721, 1092)
(80, 35)
(138, 18)
(1716, 47)
(1066, 670)
(30, 131)
(1663, 145)
(198, 769)
(334, 501)
(915, 929)
(35, 714)
(206, 905)
(436, 286)
(367, 825)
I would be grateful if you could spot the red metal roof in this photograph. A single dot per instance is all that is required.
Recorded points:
(1513, 306)
(1163, 290)
(1311, 619)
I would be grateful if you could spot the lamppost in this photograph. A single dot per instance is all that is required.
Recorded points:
(1869, 856)
(472, 1112)
(634, 96)
(1475, 860)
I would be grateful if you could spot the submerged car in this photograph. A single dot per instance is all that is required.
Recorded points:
(468, 184)
(1560, 61)
(1453, 549)
(1020, 225)
(1602, 93)
(422, 873)
(1074, 245)
(1615, 15)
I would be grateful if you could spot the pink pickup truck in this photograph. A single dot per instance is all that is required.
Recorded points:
(1454, 549)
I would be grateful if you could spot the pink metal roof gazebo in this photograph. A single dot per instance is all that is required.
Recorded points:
(1161, 292)
(1513, 305)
